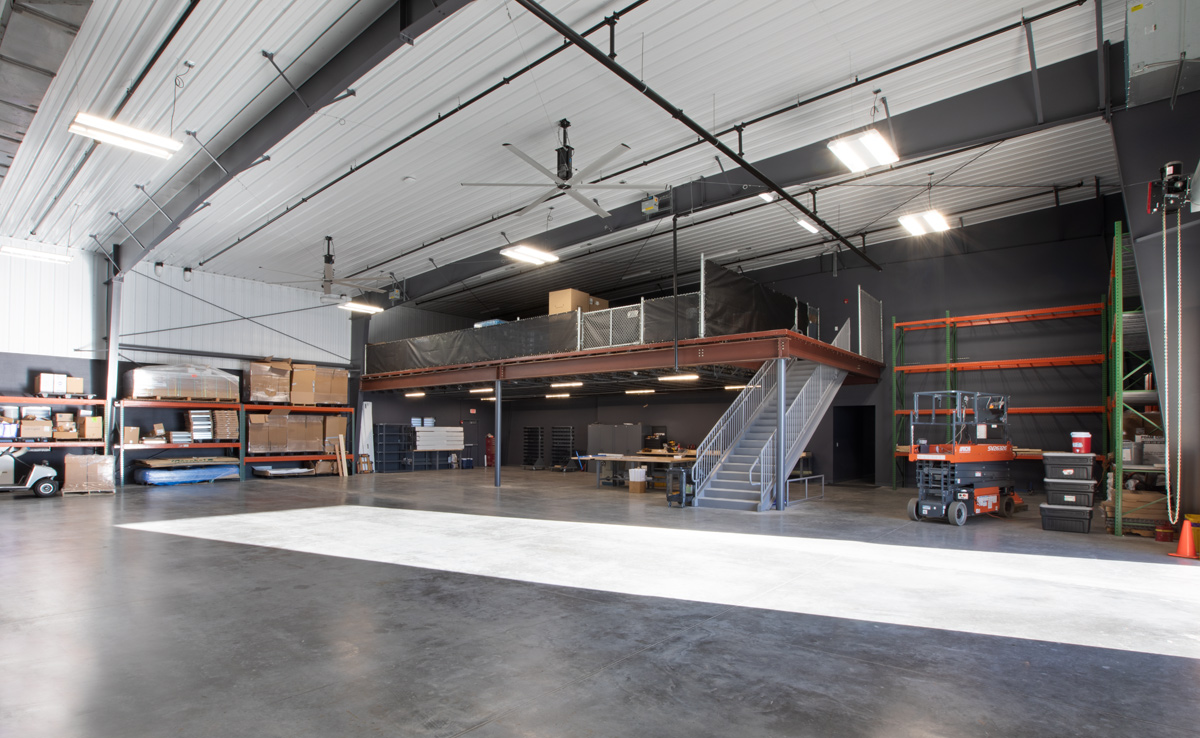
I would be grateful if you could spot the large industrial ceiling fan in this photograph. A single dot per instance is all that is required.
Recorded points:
(327, 279)
(568, 181)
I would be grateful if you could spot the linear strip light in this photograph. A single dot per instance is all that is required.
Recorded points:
(807, 224)
(678, 377)
(861, 151)
(488, 399)
(360, 307)
(528, 254)
(735, 386)
(918, 224)
(482, 390)
(414, 394)
(639, 392)
(557, 385)
(23, 253)
(768, 196)
(123, 136)
(555, 397)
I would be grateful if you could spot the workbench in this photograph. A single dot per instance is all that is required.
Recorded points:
(676, 461)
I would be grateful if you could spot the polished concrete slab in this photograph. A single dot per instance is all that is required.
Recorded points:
(129, 616)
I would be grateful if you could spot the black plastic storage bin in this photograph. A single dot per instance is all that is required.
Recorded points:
(1066, 518)
(1060, 465)
(1076, 492)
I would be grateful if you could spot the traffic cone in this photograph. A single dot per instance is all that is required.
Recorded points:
(1186, 549)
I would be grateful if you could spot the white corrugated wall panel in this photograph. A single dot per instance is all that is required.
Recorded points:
(226, 315)
(53, 309)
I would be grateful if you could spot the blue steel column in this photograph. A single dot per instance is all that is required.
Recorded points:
(780, 432)
(496, 432)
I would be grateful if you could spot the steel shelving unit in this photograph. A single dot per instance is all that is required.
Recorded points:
(185, 405)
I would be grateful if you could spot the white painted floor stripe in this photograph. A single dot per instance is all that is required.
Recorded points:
(1122, 605)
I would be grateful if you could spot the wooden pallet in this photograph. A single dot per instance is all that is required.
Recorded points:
(364, 464)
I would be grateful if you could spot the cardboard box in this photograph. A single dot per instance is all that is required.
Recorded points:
(43, 384)
(330, 386)
(324, 467)
(74, 385)
(64, 417)
(160, 429)
(339, 387)
(90, 428)
(304, 433)
(225, 424)
(63, 435)
(65, 427)
(36, 429)
(270, 381)
(335, 425)
(566, 301)
(131, 435)
(267, 432)
(637, 488)
(181, 381)
(88, 473)
(304, 384)
(35, 412)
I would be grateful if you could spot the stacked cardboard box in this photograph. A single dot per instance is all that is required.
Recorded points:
(1139, 510)
(88, 473)
(90, 427)
(225, 424)
(267, 432)
(318, 385)
(280, 431)
(57, 384)
(305, 433)
(270, 381)
(567, 301)
(180, 382)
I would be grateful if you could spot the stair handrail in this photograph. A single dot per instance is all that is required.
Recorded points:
(795, 417)
(729, 427)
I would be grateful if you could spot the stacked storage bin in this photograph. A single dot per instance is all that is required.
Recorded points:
(1070, 489)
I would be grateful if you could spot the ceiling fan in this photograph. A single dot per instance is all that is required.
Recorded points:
(327, 280)
(568, 181)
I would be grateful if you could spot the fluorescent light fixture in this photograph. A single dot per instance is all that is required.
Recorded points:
(529, 254)
(642, 273)
(555, 397)
(806, 224)
(639, 392)
(414, 394)
(918, 224)
(22, 252)
(768, 196)
(360, 307)
(861, 151)
(482, 390)
(735, 386)
(123, 136)
(488, 399)
(678, 377)
(556, 385)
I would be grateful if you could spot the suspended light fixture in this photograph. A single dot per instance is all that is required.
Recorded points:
(639, 392)
(414, 394)
(735, 386)
(768, 196)
(126, 137)
(360, 307)
(861, 151)
(678, 377)
(529, 255)
(807, 224)
(557, 385)
(9, 248)
(488, 399)
(558, 396)
(918, 224)
(482, 390)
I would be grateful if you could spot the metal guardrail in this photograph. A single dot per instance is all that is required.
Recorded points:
(730, 426)
(798, 414)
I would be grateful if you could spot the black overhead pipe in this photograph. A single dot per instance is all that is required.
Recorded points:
(675, 282)
(584, 45)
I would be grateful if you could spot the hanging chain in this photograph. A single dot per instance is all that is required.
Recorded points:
(1176, 413)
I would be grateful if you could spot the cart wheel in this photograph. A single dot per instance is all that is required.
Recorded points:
(46, 488)
(956, 513)
(913, 513)
(1007, 507)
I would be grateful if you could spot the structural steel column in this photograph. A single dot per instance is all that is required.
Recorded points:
(780, 432)
(496, 432)
(115, 284)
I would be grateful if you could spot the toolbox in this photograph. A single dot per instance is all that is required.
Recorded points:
(1060, 465)
(1066, 518)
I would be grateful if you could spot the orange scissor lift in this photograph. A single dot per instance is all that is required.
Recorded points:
(966, 470)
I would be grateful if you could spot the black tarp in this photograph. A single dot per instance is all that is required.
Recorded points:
(737, 304)
(660, 318)
(550, 334)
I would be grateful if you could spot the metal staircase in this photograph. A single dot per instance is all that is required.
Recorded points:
(735, 465)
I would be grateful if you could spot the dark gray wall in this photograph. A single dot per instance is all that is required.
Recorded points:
(1048, 258)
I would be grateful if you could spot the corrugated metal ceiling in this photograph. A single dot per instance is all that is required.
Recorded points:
(722, 61)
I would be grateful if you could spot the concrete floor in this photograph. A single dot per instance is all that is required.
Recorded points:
(350, 608)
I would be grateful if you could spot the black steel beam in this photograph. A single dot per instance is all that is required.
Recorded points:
(400, 24)
(632, 80)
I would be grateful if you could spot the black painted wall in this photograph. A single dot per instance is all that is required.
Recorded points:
(1049, 258)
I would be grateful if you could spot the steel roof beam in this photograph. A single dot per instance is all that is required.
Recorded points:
(400, 24)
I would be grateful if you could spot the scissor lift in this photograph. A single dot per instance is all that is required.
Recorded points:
(960, 443)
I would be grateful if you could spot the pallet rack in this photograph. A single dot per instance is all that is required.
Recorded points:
(222, 446)
(951, 366)
(319, 409)
(81, 402)
(533, 444)
(1125, 361)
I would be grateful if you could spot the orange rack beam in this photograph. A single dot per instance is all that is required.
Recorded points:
(299, 457)
(180, 404)
(1016, 316)
(149, 446)
(1064, 410)
(967, 366)
(303, 408)
(14, 400)
(52, 444)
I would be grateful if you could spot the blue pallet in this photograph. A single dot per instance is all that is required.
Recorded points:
(184, 476)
